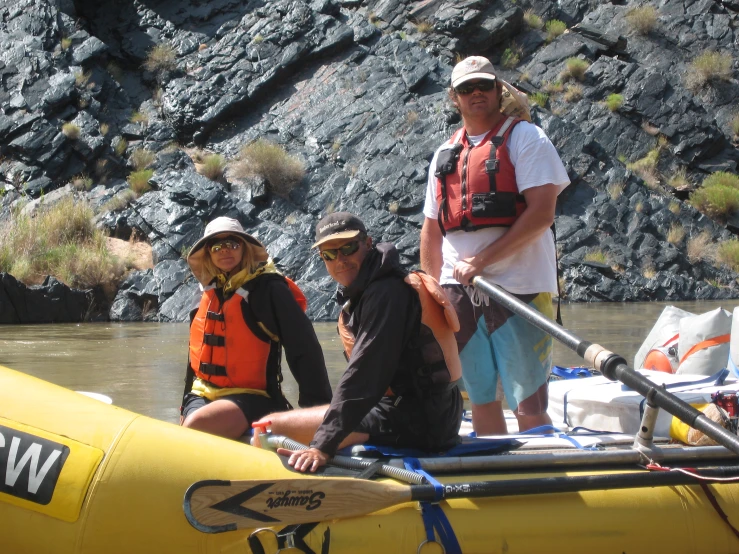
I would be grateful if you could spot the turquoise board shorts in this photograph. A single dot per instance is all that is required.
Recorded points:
(502, 354)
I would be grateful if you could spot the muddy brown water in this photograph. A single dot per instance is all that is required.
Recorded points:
(141, 366)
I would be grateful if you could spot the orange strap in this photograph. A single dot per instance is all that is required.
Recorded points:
(708, 343)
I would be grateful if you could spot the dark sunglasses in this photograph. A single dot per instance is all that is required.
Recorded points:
(226, 243)
(469, 88)
(330, 254)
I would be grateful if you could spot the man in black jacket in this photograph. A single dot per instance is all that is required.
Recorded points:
(399, 387)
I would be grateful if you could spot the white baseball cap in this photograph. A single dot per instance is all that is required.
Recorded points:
(474, 67)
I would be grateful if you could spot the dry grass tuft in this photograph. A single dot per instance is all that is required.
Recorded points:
(646, 168)
(708, 67)
(424, 27)
(71, 131)
(139, 181)
(120, 201)
(554, 28)
(532, 20)
(701, 248)
(648, 128)
(575, 68)
(679, 179)
(161, 58)
(643, 19)
(141, 158)
(212, 166)
(676, 234)
(573, 92)
(60, 240)
(615, 190)
(596, 255)
(282, 171)
(735, 125)
(727, 254)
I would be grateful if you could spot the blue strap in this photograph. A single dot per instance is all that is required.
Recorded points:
(413, 464)
(547, 430)
(434, 518)
(571, 372)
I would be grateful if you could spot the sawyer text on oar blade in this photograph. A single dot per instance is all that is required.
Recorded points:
(309, 498)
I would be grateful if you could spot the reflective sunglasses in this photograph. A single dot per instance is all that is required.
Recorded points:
(469, 88)
(330, 254)
(230, 244)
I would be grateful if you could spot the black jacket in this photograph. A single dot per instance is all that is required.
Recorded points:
(385, 317)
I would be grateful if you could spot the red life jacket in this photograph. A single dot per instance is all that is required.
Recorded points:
(438, 358)
(228, 351)
(476, 185)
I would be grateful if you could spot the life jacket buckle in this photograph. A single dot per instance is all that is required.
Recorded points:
(491, 166)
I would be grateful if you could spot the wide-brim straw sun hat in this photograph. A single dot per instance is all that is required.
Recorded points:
(222, 227)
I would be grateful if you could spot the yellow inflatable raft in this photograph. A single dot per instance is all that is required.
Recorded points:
(81, 477)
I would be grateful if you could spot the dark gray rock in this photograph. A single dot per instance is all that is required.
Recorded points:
(50, 302)
(356, 92)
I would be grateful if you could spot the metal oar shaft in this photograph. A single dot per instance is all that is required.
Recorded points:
(579, 459)
(613, 367)
(549, 485)
(353, 463)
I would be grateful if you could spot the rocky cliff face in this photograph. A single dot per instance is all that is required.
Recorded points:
(357, 89)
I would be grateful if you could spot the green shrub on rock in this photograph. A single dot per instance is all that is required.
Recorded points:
(718, 197)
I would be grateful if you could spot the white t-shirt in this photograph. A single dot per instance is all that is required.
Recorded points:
(534, 268)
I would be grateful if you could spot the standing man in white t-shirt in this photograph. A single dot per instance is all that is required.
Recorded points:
(490, 202)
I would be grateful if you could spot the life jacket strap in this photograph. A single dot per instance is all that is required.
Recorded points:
(214, 340)
(212, 369)
(218, 316)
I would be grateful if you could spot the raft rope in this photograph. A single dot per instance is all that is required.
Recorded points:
(654, 466)
(434, 518)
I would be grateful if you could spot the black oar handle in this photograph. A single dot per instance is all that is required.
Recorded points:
(354, 463)
(612, 366)
(549, 485)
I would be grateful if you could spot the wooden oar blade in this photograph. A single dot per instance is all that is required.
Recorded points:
(218, 506)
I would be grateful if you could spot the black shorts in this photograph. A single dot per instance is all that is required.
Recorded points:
(253, 406)
(429, 423)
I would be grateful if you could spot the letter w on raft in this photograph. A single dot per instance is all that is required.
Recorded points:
(29, 465)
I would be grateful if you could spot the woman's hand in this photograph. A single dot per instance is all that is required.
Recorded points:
(305, 460)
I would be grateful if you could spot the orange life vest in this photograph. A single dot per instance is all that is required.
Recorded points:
(228, 351)
(439, 322)
(476, 185)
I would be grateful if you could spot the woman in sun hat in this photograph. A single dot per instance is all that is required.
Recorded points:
(248, 311)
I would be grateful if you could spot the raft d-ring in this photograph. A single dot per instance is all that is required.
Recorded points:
(254, 535)
(426, 541)
(289, 544)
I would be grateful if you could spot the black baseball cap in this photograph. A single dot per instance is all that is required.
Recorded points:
(338, 225)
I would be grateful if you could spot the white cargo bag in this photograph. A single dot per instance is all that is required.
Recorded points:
(703, 346)
(733, 364)
(602, 405)
(663, 332)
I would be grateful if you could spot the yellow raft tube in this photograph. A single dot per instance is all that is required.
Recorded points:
(81, 477)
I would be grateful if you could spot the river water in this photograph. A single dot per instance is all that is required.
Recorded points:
(142, 365)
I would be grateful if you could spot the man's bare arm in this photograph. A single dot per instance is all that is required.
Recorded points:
(431, 239)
